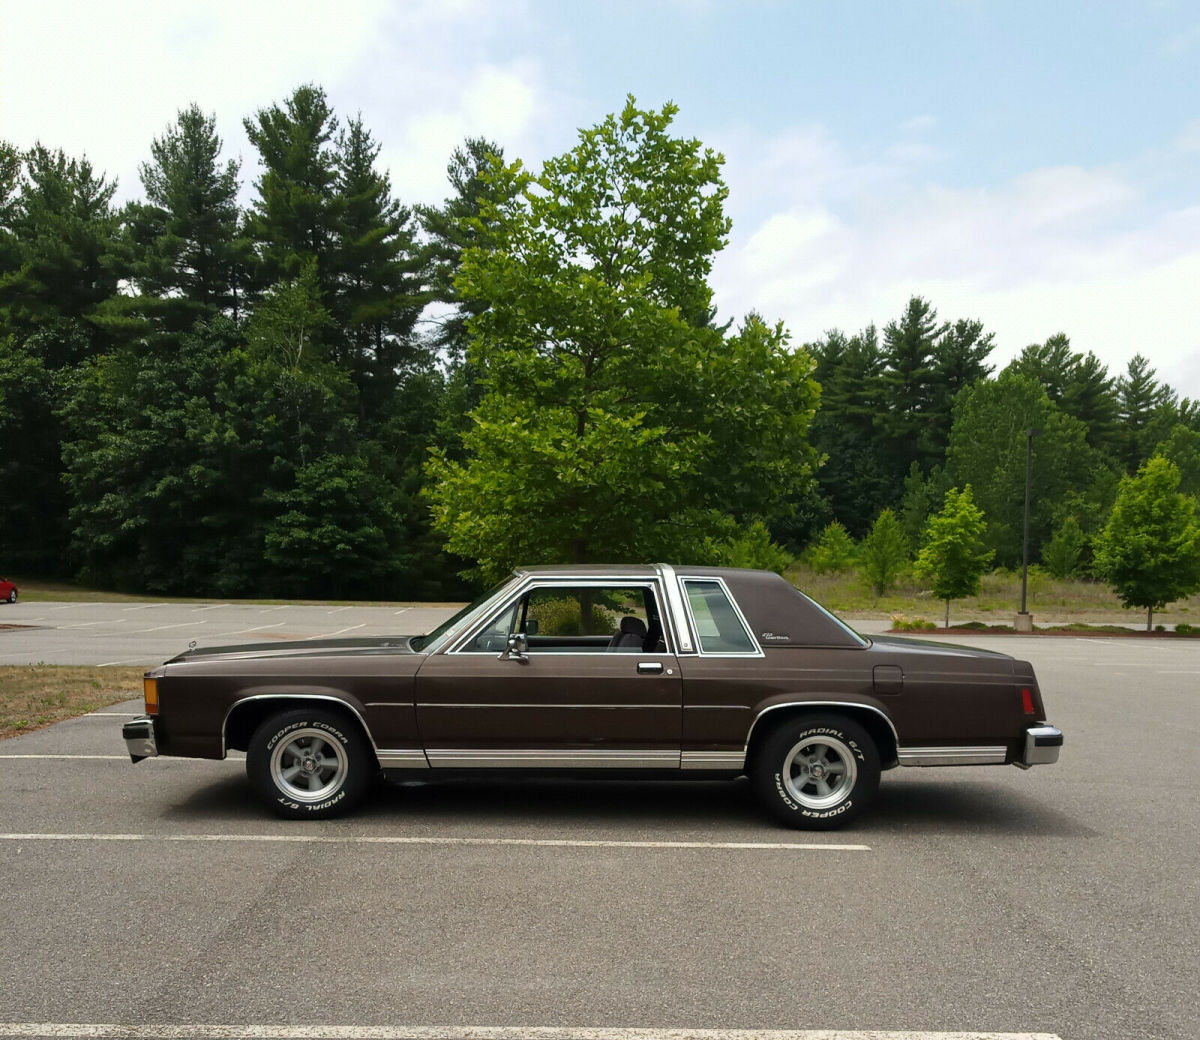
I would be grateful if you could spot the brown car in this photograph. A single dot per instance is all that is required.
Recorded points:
(655, 671)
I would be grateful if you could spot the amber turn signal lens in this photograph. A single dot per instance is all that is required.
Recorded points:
(150, 688)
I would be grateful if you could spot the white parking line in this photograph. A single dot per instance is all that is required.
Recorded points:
(211, 606)
(340, 631)
(182, 624)
(338, 610)
(92, 624)
(146, 606)
(243, 631)
(259, 1032)
(127, 660)
(402, 610)
(387, 839)
(110, 715)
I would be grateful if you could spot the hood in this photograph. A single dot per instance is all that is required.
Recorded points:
(360, 646)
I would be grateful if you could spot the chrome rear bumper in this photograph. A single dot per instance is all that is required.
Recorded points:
(1042, 745)
(139, 738)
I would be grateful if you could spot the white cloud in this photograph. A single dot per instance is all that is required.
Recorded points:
(105, 79)
(840, 242)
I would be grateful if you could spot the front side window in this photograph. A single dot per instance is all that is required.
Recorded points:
(718, 626)
(579, 619)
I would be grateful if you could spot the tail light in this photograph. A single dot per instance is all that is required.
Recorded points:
(1027, 700)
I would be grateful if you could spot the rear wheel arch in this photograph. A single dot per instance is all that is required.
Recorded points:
(873, 720)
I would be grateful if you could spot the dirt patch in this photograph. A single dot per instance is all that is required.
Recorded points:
(33, 696)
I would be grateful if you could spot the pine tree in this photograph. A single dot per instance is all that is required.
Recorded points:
(456, 225)
(294, 218)
(379, 290)
(187, 230)
(908, 386)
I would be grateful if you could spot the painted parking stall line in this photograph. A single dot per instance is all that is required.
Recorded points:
(344, 1032)
(387, 839)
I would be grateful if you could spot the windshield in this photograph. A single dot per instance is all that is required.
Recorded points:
(451, 623)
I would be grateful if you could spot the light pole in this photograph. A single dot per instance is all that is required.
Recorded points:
(1024, 621)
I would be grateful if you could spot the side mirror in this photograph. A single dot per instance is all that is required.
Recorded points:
(517, 647)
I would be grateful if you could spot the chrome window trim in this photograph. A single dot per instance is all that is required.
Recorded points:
(530, 581)
(295, 697)
(994, 755)
(473, 617)
(675, 600)
(489, 758)
(756, 652)
(822, 704)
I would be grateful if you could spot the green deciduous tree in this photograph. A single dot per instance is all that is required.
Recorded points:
(1062, 553)
(615, 419)
(1149, 551)
(883, 553)
(988, 448)
(955, 554)
(1182, 447)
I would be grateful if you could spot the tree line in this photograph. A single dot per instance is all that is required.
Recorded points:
(329, 392)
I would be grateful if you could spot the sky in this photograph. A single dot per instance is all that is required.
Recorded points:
(1032, 165)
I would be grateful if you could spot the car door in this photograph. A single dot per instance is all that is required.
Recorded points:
(598, 685)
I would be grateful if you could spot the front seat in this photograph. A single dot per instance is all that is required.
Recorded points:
(630, 636)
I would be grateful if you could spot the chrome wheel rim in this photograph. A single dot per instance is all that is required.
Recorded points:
(309, 765)
(819, 772)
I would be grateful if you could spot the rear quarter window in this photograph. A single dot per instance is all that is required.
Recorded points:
(719, 629)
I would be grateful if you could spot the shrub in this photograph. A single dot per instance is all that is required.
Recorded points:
(834, 551)
(900, 623)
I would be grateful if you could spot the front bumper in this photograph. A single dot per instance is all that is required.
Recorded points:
(1042, 745)
(139, 738)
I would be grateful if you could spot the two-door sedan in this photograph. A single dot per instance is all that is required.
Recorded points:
(653, 671)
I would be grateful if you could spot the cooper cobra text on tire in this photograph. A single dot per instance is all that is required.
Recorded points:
(817, 771)
(309, 764)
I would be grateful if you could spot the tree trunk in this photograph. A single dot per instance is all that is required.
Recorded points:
(947, 624)
(1149, 618)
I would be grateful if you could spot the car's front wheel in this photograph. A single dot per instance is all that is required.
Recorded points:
(12, 596)
(817, 772)
(309, 764)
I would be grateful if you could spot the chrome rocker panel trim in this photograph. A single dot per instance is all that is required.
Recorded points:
(486, 758)
(731, 760)
(953, 756)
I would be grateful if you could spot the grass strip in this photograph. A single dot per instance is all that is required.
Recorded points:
(33, 696)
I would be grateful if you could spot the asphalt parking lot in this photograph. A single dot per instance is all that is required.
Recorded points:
(1062, 901)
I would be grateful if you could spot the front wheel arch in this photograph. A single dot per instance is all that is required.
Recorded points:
(310, 763)
(244, 718)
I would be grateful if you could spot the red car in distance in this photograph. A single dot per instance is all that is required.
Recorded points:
(8, 591)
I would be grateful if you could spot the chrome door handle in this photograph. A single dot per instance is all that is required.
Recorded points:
(650, 667)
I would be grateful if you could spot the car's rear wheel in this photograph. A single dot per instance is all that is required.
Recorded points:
(817, 772)
(309, 764)
(12, 596)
